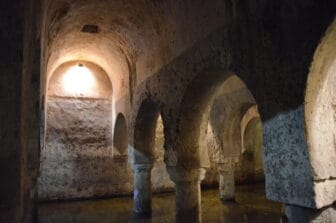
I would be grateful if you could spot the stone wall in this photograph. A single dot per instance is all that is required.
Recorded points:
(19, 103)
(77, 161)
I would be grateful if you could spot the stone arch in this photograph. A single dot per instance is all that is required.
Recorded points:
(100, 80)
(193, 117)
(251, 114)
(230, 138)
(320, 118)
(231, 101)
(159, 176)
(149, 140)
(199, 105)
(159, 139)
(191, 151)
(148, 123)
(120, 135)
(101, 87)
(78, 133)
(144, 132)
(249, 131)
(252, 151)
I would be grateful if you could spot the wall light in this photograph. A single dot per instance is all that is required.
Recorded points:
(78, 81)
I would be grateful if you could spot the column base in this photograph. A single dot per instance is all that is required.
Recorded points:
(142, 214)
(297, 214)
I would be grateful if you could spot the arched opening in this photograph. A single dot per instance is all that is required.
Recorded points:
(144, 132)
(143, 156)
(120, 136)
(160, 178)
(226, 127)
(252, 154)
(251, 147)
(236, 129)
(78, 143)
(150, 172)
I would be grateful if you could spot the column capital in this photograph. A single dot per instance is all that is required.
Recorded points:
(228, 160)
(180, 174)
(227, 163)
(143, 167)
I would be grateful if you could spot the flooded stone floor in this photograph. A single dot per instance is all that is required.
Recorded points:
(251, 206)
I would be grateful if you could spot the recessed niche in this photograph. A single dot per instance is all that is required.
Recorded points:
(89, 28)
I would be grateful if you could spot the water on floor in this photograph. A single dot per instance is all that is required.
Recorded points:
(251, 206)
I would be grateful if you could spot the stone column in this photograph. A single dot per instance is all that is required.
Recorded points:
(188, 193)
(142, 189)
(226, 179)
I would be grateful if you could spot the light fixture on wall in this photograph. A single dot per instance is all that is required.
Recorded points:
(78, 80)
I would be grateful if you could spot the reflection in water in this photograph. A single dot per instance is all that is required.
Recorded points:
(251, 207)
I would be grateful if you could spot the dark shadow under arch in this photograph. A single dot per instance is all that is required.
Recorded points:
(120, 135)
(144, 132)
(195, 112)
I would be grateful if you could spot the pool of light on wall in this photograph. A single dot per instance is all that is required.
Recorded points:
(78, 80)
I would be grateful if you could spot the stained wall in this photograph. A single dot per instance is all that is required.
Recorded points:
(77, 159)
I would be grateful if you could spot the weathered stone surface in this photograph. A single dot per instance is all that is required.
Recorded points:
(142, 189)
(160, 177)
(188, 193)
(325, 192)
(77, 161)
(226, 180)
(320, 118)
(296, 214)
(158, 52)
(287, 168)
